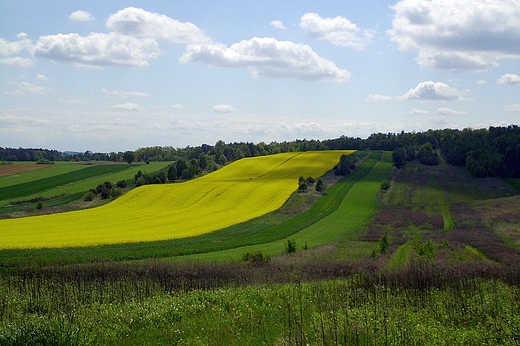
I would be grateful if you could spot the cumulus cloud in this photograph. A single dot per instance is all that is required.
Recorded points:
(433, 91)
(509, 78)
(123, 94)
(223, 109)
(378, 98)
(10, 48)
(448, 111)
(481, 82)
(416, 111)
(81, 16)
(277, 24)
(97, 49)
(130, 106)
(138, 22)
(177, 106)
(339, 31)
(512, 108)
(16, 61)
(41, 77)
(268, 57)
(459, 35)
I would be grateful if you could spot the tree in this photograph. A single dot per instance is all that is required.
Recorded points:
(181, 166)
(346, 165)
(222, 160)
(172, 172)
(129, 156)
(290, 246)
(399, 157)
(302, 184)
(320, 186)
(427, 156)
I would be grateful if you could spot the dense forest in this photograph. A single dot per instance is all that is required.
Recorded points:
(484, 152)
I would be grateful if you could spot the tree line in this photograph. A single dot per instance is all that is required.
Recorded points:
(484, 152)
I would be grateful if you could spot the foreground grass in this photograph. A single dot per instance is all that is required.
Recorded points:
(397, 309)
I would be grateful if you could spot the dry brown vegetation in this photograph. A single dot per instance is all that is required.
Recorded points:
(6, 170)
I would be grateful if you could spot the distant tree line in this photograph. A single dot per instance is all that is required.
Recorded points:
(484, 152)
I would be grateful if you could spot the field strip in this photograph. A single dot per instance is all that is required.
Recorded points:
(29, 188)
(159, 212)
(45, 172)
(356, 208)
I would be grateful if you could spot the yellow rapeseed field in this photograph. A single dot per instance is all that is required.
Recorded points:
(243, 190)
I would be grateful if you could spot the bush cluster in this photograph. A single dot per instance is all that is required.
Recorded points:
(105, 190)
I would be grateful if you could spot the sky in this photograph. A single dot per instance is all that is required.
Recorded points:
(120, 75)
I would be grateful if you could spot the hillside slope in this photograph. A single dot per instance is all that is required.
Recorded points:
(241, 191)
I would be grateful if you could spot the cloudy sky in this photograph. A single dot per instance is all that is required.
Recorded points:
(119, 75)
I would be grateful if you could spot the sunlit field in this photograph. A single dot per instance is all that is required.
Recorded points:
(236, 193)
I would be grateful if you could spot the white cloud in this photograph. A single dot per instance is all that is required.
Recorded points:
(97, 49)
(177, 106)
(138, 22)
(14, 92)
(277, 24)
(439, 121)
(416, 111)
(378, 98)
(509, 78)
(268, 57)
(130, 106)
(16, 61)
(41, 77)
(459, 35)
(74, 101)
(448, 111)
(433, 91)
(123, 94)
(223, 109)
(8, 48)
(33, 88)
(339, 31)
(81, 16)
(8, 119)
(481, 82)
(512, 108)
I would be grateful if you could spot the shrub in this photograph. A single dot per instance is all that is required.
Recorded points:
(89, 196)
(290, 246)
(121, 184)
(39, 205)
(385, 185)
(116, 192)
(257, 258)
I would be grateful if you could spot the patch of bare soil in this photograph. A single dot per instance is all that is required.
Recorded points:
(7, 170)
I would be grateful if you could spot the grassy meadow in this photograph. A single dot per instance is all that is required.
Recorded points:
(432, 261)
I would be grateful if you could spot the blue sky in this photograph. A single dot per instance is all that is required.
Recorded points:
(120, 75)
